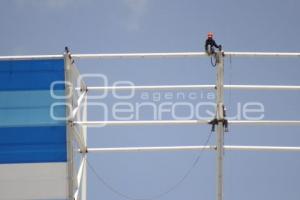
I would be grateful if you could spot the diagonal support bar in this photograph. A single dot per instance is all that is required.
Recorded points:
(79, 102)
(79, 176)
(80, 140)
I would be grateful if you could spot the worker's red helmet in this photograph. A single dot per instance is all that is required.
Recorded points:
(210, 34)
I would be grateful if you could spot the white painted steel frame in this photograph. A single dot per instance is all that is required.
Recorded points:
(191, 87)
(79, 104)
(220, 115)
(76, 185)
(152, 55)
(262, 87)
(69, 129)
(265, 122)
(32, 57)
(79, 177)
(219, 111)
(262, 148)
(185, 122)
(84, 132)
(181, 55)
(193, 148)
(139, 122)
(150, 87)
(82, 175)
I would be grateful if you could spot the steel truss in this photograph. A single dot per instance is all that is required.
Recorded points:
(81, 137)
(78, 123)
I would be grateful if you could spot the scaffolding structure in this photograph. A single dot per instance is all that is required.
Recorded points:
(78, 122)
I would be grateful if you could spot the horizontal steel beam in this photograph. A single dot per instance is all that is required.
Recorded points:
(150, 55)
(193, 148)
(149, 149)
(31, 57)
(140, 55)
(192, 87)
(139, 122)
(150, 87)
(262, 87)
(185, 122)
(181, 55)
(262, 148)
(265, 122)
(263, 54)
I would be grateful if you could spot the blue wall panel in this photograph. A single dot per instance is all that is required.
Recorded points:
(28, 134)
(30, 108)
(33, 144)
(31, 75)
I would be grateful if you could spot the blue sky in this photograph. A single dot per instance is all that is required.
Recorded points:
(46, 26)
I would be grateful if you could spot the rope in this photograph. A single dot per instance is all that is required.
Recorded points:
(157, 196)
(212, 63)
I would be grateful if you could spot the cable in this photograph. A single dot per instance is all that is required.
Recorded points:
(212, 63)
(112, 189)
(167, 191)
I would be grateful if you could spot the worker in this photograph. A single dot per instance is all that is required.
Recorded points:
(210, 44)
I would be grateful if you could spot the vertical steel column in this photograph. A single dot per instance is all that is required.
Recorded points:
(84, 175)
(220, 128)
(69, 108)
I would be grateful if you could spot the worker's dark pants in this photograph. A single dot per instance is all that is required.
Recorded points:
(210, 50)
